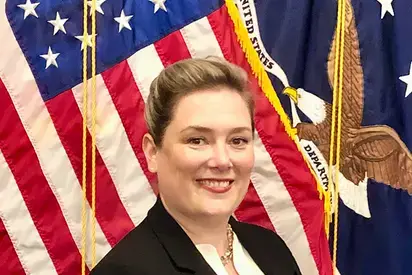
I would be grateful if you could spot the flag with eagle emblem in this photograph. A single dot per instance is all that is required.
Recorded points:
(296, 42)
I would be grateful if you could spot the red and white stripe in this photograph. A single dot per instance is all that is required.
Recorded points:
(41, 159)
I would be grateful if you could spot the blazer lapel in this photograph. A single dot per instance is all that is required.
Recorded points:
(175, 241)
(254, 245)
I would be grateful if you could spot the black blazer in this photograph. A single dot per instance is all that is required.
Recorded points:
(159, 246)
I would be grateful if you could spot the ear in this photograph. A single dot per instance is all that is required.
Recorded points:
(150, 152)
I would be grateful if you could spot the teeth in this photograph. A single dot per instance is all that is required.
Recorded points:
(215, 183)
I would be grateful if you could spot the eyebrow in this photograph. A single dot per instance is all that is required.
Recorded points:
(209, 130)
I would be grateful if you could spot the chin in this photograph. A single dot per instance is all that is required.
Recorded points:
(218, 208)
(217, 213)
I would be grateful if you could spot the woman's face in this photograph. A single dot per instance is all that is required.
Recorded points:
(206, 158)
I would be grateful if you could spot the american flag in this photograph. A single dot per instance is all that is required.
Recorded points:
(41, 131)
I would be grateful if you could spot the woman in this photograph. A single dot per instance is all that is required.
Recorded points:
(200, 136)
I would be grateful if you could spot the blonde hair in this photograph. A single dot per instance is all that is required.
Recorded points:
(185, 77)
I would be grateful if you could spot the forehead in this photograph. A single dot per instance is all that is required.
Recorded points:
(212, 108)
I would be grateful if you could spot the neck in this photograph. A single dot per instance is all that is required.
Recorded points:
(204, 230)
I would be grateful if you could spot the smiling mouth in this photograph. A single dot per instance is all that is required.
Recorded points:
(216, 185)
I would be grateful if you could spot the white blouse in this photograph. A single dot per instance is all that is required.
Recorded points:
(244, 264)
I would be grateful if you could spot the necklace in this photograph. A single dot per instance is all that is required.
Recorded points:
(227, 257)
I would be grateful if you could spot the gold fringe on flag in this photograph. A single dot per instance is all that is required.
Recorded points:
(266, 85)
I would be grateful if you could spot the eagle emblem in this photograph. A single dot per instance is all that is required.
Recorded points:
(376, 152)
(367, 152)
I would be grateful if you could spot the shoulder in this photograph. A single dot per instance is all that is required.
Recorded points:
(139, 252)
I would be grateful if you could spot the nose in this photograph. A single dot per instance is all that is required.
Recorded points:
(220, 157)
